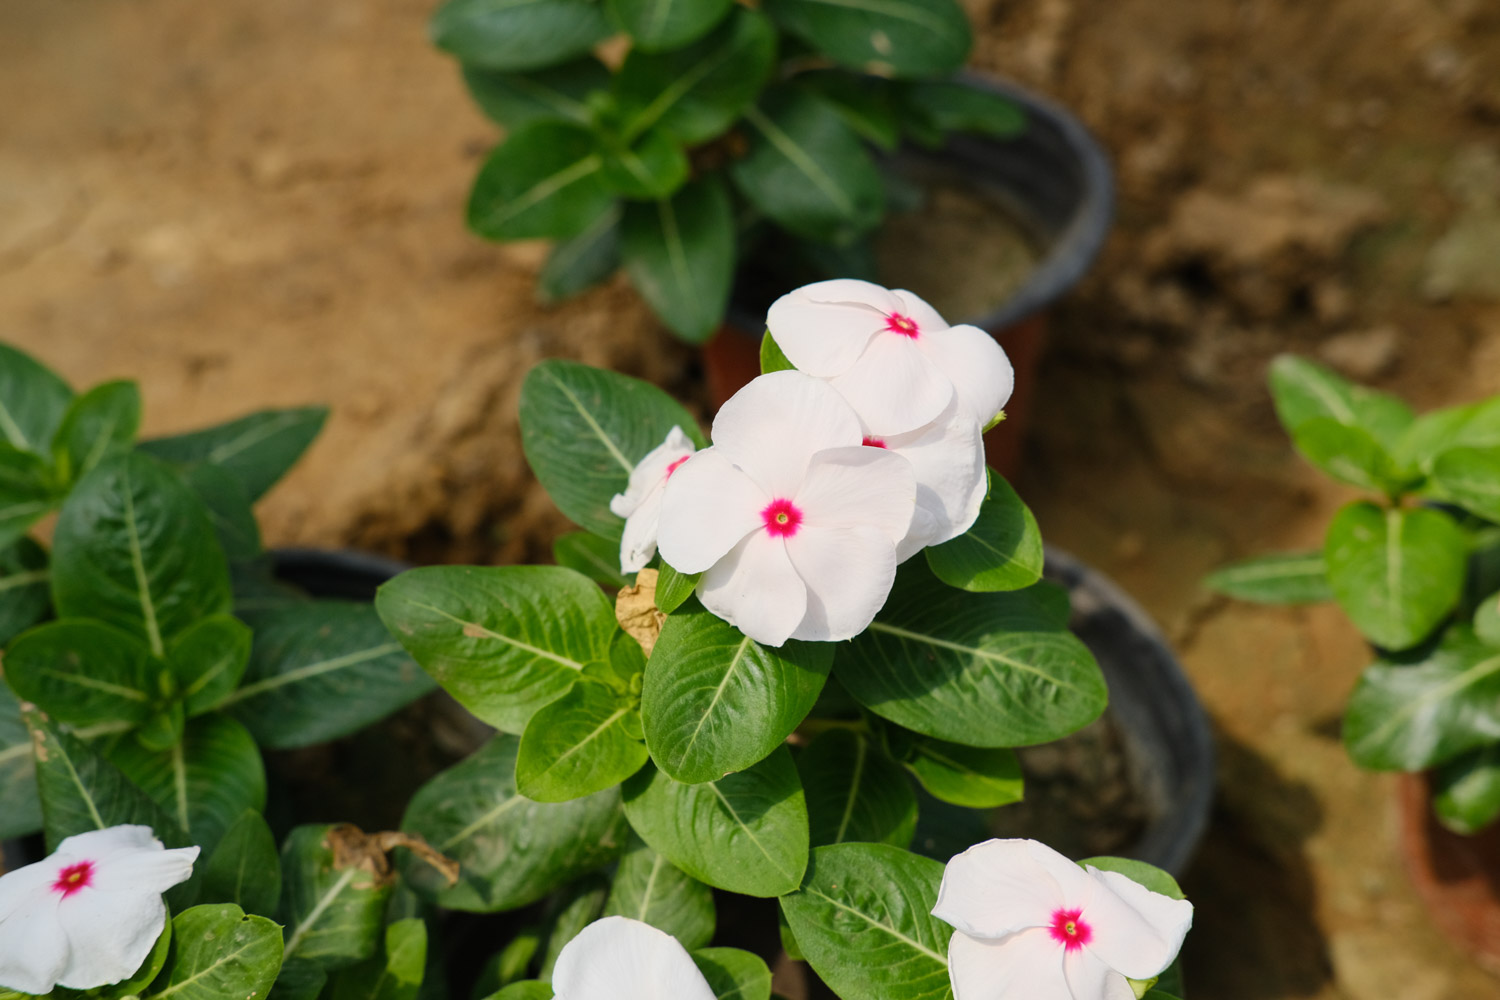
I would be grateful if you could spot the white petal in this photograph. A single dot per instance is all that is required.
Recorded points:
(918, 311)
(848, 573)
(774, 425)
(894, 387)
(622, 959)
(98, 844)
(1090, 979)
(109, 933)
(824, 327)
(28, 887)
(638, 540)
(650, 472)
(33, 948)
(977, 366)
(151, 871)
(756, 589)
(845, 487)
(707, 507)
(948, 459)
(1002, 886)
(1023, 966)
(1136, 932)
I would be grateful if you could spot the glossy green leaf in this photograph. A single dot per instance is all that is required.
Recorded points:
(245, 868)
(229, 508)
(1304, 391)
(513, 851)
(134, 547)
(1002, 550)
(596, 558)
(903, 38)
(219, 951)
(517, 36)
(1470, 477)
(332, 912)
(208, 660)
(657, 25)
(320, 670)
(649, 888)
(503, 640)
(715, 701)
(575, 908)
(680, 255)
(652, 166)
(394, 974)
(1476, 425)
(772, 359)
(990, 670)
(33, 401)
(1466, 791)
(557, 93)
(25, 587)
(1487, 620)
(734, 974)
(257, 449)
(697, 92)
(866, 103)
(84, 673)
(974, 777)
(580, 744)
(299, 981)
(807, 171)
(674, 588)
(1348, 454)
(950, 106)
(103, 421)
(863, 919)
(855, 792)
(545, 181)
(745, 833)
(526, 989)
(23, 810)
(26, 492)
(584, 430)
(583, 260)
(204, 782)
(1140, 872)
(1397, 573)
(1282, 578)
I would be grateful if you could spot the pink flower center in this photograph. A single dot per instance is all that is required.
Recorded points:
(873, 442)
(673, 467)
(73, 878)
(782, 518)
(1069, 930)
(904, 325)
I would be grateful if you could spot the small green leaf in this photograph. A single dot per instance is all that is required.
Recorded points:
(1397, 573)
(1304, 391)
(673, 588)
(518, 36)
(649, 888)
(679, 253)
(902, 38)
(103, 421)
(257, 449)
(208, 660)
(217, 952)
(974, 777)
(556, 93)
(855, 792)
(526, 989)
(33, 401)
(658, 25)
(734, 974)
(1282, 578)
(1487, 620)
(1348, 454)
(1476, 425)
(1001, 551)
(1470, 477)
(26, 492)
(394, 974)
(229, 509)
(332, 913)
(583, 260)
(580, 744)
(1466, 791)
(245, 869)
(25, 587)
(950, 106)
(596, 558)
(771, 357)
(866, 103)
(1140, 872)
(546, 180)
(85, 673)
(745, 833)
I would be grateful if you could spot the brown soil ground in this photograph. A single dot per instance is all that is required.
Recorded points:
(249, 204)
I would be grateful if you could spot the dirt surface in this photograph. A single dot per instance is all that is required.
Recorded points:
(249, 204)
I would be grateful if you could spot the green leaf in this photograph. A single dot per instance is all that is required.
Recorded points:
(580, 744)
(1407, 716)
(1470, 477)
(1140, 872)
(974, 777)
(807, 171)
(652, 166)
(513, 851)
(517, 36)
(33, 401)
(771, 357)
(1282, 578)
(596, 558)
(1397, 573)
(101, 422)
(527, 989)
(1487, 620)
(26, 492)
(546, 180)
(557, 93)
(674, 588)
(219, 951)
(245, 869)
(81, 791)
(1305, 391)
(503, 640)
(584, 430)
(208, 661)
(866, 103)
(680, 255)
(903, 38)
(320, 670)
(734, 974)
(25, 587)
(23, 810)
(715, 701)
(394, 974)
(134, 547)
(657, 25)
(299, 981)
(697, 92)
(1476, 425)
(257, 449)
(584, 260)
(745, 833)
(204, 782)
(576, 907)
(1348, 454)
(84, 673)
(989, 670)
(1466, 791)
(229, 509)
(950, 106)
(649, 888)
(1002, 550)
(863, 918)
(332, 912)
(855, 792)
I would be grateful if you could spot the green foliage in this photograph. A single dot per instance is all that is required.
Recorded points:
(1002, 550)
(772, 359)
(84, 673)
(545, 181)
(1470, 477)
(582, 261)
(557, 93)
(33, 402)
(257, 450)
(25, 587)
(1141, 872)
(975, 777)
(208, 659)
(904, 38)
(855, 792)
(649, 888)
(518, 37)
(23, 811)
(734, 974)
(394, 974)
(101, 422)
(1283, 578)
(679, 253)
(219, 951)
(1466, 790)
(245, 869)
(596, 558)
(332, 906)
(584, 742)
(575, 908)
(654, 25)
(674, 588)
(945, 106)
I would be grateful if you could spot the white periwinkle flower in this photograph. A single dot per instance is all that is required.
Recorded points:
(1032, 925)
(88, 914)
(890, 354)
(792, 522)
(640, 504)
(622, 959)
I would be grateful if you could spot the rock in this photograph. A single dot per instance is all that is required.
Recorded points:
(1362, 354)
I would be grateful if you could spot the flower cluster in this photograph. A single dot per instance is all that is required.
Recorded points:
(821, 480)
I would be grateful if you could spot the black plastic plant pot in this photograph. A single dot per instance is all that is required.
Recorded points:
(343, 574)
